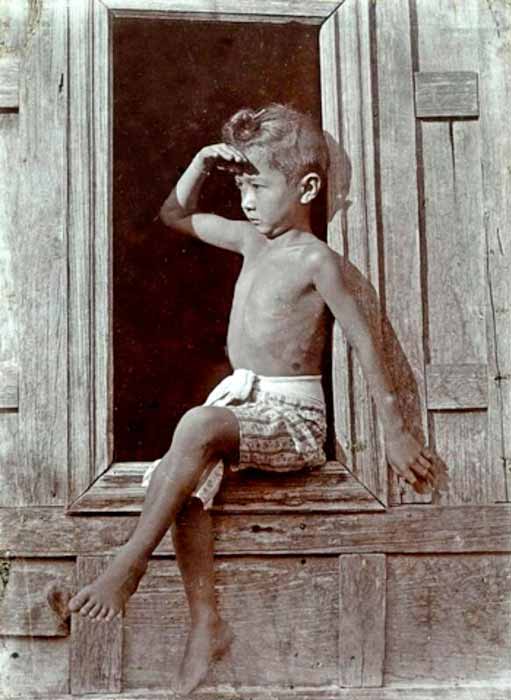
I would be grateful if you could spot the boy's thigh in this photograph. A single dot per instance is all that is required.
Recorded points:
(212, 427)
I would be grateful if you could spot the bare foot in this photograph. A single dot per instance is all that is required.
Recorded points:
(108, 594)
(207, 642)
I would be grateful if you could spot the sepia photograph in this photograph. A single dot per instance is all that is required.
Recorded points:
(255, 349)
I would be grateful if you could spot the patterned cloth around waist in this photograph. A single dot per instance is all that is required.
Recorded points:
(281, 421)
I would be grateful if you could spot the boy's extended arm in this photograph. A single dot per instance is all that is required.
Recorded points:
(180, 209)
(410, 459)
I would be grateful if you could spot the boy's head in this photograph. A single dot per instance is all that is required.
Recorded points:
(288, 139)
(289, 157)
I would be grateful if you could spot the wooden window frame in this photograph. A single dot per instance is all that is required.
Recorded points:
(96, 484)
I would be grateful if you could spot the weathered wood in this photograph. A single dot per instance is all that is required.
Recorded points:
(399, 215)
(307, 693)
(494, 29)
(362, 584)
(280, 612)
(8, 385)
(34, 668)
(448, 620)
(347, 113)
(456, 248)
(9, 78)
(96, 648)
(446, 94)
(24, 609)
(41, 264)
(225, 9)
(80, 202)
(457, 386)
(47, 532)
(328, 488)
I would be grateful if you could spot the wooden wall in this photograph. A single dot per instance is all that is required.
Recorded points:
(411, 603)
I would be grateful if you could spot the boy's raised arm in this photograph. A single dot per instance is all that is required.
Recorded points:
(411, 460)
(180, 209)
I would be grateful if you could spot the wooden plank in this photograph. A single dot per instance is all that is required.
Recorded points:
(329, 488)
(280, 612)
(399, 224)
(48, 532)
(362, 585)
(457, 386)
(448, 620)
(446, 94)
(8, 385)
(80, 154)
(318, 9)
(347, 116)
(448, 40)
(96, 649)
(33, 668)
(41, 279)
(307, 693)
(24, 608)
(495, 68)
(102, 248)
(9, 78)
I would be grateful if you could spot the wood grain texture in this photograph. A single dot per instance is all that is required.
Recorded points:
(34, 668)
(347, 115)
(362, 585)
(457, 386)
(280, 612)
(448, 620)
(477, 692)
(80, 263)
(48, 532)
(446, 94)
(41, 264)
(316, 9)
(8, 385)
(9, 79)
(329, 488)
(9, 154)
(96, 649)
(456, 255)
(24, 608)
(398, 208)
(494, 37)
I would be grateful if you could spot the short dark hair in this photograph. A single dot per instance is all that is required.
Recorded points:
(290, 139)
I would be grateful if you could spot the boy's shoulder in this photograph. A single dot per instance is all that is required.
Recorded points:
(318, 254)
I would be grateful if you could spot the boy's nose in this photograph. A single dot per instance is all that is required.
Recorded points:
(247, 201)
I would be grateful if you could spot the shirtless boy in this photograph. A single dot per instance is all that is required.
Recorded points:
(270, 412)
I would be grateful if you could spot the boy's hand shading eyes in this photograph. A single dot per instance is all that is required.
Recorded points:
(413, 462)
(223, 156)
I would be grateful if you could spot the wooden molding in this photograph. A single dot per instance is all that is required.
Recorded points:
(9, 82)
(446, 94)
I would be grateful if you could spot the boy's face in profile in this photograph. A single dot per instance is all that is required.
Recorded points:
(268, 200)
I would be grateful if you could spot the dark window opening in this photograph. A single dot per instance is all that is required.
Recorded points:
(175, 83)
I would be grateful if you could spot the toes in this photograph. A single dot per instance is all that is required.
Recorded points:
(102, 613)
(111, 614)
(95, 610)
(87, 607)
(78, 601)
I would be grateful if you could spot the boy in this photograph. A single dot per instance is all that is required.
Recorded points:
(270, 413)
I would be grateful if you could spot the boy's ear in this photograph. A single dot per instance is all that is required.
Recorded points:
(310, 185)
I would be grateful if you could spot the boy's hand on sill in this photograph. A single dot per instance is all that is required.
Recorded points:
(414, 462)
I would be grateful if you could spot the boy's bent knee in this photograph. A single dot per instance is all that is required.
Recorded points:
(205, 427)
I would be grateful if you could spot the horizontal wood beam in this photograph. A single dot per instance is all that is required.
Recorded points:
(9, 82)
(271, 693)
(331, 487)
(420, 529)
(446, 94)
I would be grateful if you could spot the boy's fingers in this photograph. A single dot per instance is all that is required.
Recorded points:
(419, 469)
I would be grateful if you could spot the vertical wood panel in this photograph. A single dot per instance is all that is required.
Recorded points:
(448, 40)
(31, 668)
(96, 648)
(399, 209)
(494, 39)
(81, 424)
(41, 264)
(362, 591)
(8, 334)
(347, 117)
